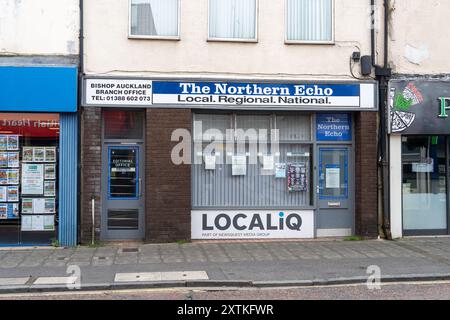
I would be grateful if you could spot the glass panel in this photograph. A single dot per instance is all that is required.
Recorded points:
(309, 20)
(123, 173)
(294, 128)
(208, 125)
(333, 174)
(232, 19)
(424, 183)
(121, 124)
(123, 219)
(154, 17)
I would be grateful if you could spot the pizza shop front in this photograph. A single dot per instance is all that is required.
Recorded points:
(38, 156)
(419, 157)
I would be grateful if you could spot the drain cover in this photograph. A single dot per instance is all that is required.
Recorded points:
(130, 250)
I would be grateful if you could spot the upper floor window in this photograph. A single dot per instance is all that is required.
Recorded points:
(309, 21)
(232, 20)
(154, 19)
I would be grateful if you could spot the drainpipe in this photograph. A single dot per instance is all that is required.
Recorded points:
(383, 74)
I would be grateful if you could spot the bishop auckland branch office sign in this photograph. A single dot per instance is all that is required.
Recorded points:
(148, 93)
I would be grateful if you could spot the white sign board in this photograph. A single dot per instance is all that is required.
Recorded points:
(252, 224)
(118, 92)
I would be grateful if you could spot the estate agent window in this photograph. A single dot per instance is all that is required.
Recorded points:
(258, 175)
(232, 20)
(154, 19)
(309, 21)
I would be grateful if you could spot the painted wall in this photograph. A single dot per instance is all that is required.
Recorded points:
(39, 27)
(109, 50)
(419, 41)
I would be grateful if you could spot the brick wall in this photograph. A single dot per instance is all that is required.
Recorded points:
(366, 193)
(168, 186)
(91, 168)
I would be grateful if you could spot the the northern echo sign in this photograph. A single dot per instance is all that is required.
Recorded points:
(248, 224)
(148, 93)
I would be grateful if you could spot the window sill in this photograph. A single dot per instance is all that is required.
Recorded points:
(232, 40)
(291, 42)
(174, 38)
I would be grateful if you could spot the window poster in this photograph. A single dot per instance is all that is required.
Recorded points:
(3, 176)
(280, 170)
(13, 143)
(239, 165)
(13, 211)
(50, 205)
(210, 162)
(50, 154)
(27, 154)
(13, 193)
(37, 223)
(13, 176)
(49, 172)
(32, 179)
(39, 205)
(49, 223)
(13, 159)
(3, 211)
(3, 194)
(332, 177)
(49, 188)
(296, 177)
(3, 142)
(27, 206)
(3, 159)
(38, 154)
(26, 223)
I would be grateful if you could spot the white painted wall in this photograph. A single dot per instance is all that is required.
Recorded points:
(395, 163)
(419, 36)
(109, 51)
(39, 27)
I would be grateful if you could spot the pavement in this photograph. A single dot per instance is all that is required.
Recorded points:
(223, 264)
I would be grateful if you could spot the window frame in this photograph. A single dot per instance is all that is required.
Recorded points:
(213, 39)
(151, 37)
(318, 42)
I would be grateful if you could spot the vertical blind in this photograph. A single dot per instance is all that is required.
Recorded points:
(309, 20)
(232, 19)
(154, 18)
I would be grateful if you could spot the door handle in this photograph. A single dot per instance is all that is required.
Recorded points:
(140, 187)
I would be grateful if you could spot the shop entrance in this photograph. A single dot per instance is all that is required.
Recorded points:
(335, 191)
(123, 204)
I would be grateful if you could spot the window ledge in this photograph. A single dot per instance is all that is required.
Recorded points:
(232, 40)
(170, 38)
(290, 42)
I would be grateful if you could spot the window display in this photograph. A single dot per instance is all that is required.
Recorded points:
(28, 179)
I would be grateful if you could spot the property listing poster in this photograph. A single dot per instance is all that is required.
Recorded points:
(9, 177)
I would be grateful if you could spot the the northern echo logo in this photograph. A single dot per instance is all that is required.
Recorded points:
(250, 222)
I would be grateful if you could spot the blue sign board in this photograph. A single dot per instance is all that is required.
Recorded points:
(334, 127)
(39, 89)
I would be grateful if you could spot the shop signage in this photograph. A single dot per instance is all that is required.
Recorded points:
(419, 107)
(123, 92)
(247, 224)
(334, 127)
(118, 92)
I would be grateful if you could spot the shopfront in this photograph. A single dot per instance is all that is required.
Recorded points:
(260, 160)
(420, 158)
(38, 156)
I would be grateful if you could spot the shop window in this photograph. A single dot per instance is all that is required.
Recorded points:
(257, 174)
(154, 19)
(119, 124)
(232, 20)
(29, 148)
(309, 21)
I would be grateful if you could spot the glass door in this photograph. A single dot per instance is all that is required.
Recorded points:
(424, 166)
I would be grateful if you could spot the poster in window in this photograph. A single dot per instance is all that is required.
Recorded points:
(27, 154)
(239, 165)
(49, 223)
(49, 188)
(50, 205)
(38, 205)
(3, 194)
(37, 223)
(210, 162)
(297, 177)
(38, 154)
(3, 160)
(3, 211)
(280, 170)
(26, 224)
(332, 177)
(3, 176)
(13, 193)
(32, 179)
(13, 176)
(3, 142)
(50, 172)
(27, 205)
(13, 159)
(50, 154)
(13, 211)
(13, 143)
